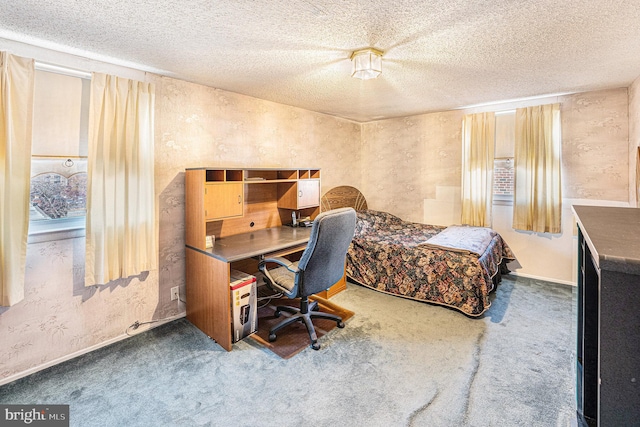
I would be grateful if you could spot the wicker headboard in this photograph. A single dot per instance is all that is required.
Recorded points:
(343, 197)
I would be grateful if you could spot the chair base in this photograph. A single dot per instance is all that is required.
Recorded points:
(304, 314)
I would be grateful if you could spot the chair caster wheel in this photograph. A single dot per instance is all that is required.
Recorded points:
(341, 324)
(315, 346)
(272, 337)
(276, 313)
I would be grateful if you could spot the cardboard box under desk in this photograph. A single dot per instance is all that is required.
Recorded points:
(244, 302)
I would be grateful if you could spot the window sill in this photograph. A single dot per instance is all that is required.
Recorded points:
(502, 200)
(59, 229)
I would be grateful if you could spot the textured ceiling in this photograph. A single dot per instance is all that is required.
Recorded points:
(439, 55)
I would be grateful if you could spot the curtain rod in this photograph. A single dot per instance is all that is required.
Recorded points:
(515, 100)
(42, 66)
(50, 156)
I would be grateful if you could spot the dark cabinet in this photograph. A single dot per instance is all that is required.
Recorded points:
(608, 324)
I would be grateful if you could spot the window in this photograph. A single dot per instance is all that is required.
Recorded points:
(59, 153)
(503, 172)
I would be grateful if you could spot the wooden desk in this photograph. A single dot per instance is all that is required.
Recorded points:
(208, 271)
(245, 209)
(260, 242)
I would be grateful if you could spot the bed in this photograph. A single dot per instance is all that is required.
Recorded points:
(455, 266)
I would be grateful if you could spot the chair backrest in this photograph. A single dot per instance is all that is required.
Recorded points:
(322, 262)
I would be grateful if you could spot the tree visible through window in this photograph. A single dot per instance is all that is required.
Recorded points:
(55, 196)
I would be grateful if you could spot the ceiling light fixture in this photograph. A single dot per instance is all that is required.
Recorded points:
(367, 63)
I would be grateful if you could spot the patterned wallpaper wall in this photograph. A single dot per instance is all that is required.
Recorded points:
(195, 126)
(396, 163)
(595, 145)
(404, 159)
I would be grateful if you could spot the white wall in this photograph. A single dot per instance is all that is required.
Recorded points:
(543, 256)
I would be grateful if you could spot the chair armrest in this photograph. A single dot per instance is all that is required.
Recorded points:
(281, 261)
(277, 260)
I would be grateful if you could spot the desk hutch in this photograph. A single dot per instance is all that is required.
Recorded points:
(248, 212)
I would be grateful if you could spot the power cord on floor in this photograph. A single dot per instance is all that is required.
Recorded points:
(135, 325)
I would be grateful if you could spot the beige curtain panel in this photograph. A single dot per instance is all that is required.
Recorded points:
(121, 238)
(537, 163)
(478, 136)
(16, 115)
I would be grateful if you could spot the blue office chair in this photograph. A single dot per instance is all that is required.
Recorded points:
(319, 268)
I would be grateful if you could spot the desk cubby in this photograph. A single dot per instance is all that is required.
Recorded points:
(227, 201)
(256, 176)
(224, 175)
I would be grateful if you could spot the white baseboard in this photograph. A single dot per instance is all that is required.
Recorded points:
(54, 362)
(546, 279)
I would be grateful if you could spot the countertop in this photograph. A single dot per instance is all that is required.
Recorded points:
(613, 235)
(259, 242)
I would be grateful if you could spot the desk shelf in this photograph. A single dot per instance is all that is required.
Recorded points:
(227, 201)
(258, 175)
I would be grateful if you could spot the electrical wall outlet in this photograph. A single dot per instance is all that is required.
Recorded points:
(175, 293)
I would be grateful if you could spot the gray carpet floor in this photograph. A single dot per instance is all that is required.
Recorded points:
(396, 363)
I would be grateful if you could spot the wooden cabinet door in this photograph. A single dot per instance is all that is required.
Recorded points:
(308, 193)
(223, 200)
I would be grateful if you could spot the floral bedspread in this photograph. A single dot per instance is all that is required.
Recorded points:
(387, 254)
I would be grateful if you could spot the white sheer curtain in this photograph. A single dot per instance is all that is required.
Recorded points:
(16, 115)
(121, 238)
(478, 137)
(537, 162)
